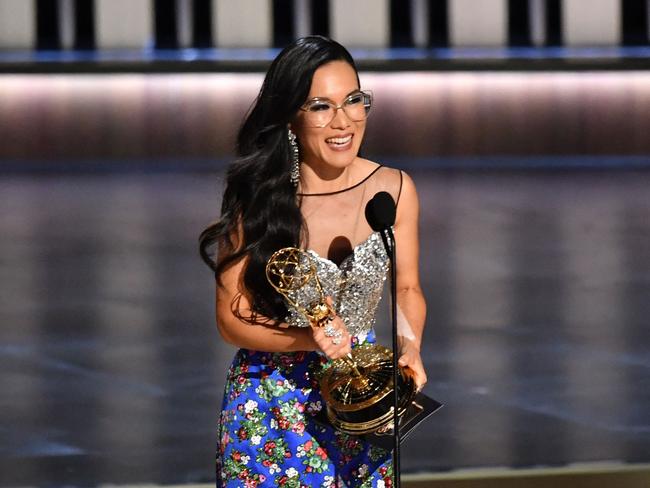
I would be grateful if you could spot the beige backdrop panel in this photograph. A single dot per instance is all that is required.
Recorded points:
(593, 23)
(242, 23)
(124, 24)
(17, 22)
(473, 23)
(360, 23)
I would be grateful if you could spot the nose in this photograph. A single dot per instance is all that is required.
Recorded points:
(340, 120)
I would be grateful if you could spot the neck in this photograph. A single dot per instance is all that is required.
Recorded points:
(323, 178)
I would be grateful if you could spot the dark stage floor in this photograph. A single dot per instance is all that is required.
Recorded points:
(538, 339)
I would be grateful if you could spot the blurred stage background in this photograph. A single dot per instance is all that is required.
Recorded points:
(525, 124)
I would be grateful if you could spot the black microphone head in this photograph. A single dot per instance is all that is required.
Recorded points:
(381, 211)
(370, 215)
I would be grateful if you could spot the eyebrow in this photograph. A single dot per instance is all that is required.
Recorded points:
(356, 90)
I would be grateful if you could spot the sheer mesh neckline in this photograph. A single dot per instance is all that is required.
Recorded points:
(335, 224)
(344, 189)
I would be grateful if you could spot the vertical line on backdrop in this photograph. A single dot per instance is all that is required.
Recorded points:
(202, 24)
(553, 23)
(438, 23)
(47, 25)
(519, 23)
(301, 18)
(320, 17)
(66, 23)
(647, 19)
(400, 23)
(420, 23)
(165, 24)
(283, 23)
(184, 22)
(635, 22)
(537, 20)
(84, 25)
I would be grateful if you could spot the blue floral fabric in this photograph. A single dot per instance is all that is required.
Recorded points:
(267, 435)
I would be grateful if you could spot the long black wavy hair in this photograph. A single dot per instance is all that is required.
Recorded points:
(260, 210)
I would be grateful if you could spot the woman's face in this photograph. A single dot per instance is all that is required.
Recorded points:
(336, 144)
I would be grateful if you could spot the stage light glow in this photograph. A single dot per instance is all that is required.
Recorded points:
(141, 116)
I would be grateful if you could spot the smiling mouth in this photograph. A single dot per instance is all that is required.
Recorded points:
(339, 142)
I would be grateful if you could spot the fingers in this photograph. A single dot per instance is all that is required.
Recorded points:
(416, 369)
(338, 352)
(335, 351)
(420, 379)
(333, 339)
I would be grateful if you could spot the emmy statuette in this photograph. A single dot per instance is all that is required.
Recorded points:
(357, 389)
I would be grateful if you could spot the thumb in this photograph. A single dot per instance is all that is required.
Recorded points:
(402, 361)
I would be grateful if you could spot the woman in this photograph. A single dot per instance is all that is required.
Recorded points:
(299, 181)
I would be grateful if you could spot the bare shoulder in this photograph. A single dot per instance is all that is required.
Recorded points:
(407, 200)
(408, 185)
(383, 175)
(369, 166)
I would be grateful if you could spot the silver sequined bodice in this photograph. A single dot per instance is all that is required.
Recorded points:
(355, 286)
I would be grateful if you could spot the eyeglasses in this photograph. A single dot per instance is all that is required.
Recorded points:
(319, 112)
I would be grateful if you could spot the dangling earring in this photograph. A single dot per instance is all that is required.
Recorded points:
(295, 159)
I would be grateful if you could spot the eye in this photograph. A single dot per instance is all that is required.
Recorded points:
(354, 99)
(318, 107)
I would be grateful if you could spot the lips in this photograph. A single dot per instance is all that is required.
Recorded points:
(339, 143)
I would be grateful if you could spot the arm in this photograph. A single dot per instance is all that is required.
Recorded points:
(269, 338)
(410, 299)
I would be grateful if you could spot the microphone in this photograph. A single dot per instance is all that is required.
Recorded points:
(381, 211)
(380, 214)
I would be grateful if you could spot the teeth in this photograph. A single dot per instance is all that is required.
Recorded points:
(339, 140)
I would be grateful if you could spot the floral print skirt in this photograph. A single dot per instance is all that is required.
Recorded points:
(268, 435)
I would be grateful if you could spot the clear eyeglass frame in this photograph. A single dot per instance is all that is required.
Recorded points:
(319, 112)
